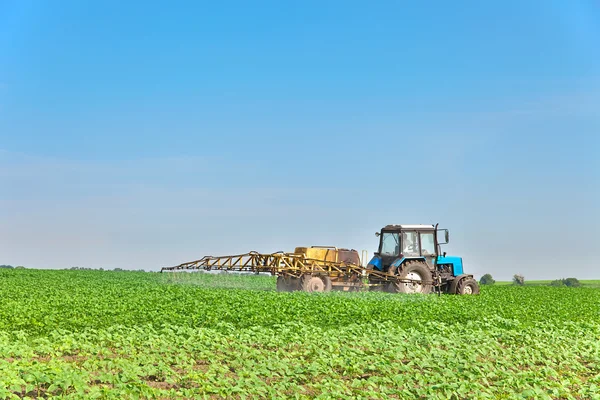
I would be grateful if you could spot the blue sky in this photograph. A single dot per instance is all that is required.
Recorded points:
(145, 134)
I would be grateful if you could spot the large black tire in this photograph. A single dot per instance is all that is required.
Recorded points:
(418, 271)
(315, 283)
(467, 286)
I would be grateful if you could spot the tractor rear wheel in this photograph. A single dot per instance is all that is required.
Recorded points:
(419, 274)
(467, 286)
(315, 283)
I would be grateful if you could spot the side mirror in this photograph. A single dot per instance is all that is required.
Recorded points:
(444, 254)
(377, 234)
(447, 236)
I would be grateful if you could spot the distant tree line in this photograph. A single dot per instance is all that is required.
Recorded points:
(11, 267)
(6, 266)
(102, 269)
(519, 280)
(570, 282)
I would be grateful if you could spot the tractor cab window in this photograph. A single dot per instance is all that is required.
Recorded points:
(410, 244)
(390, 245)
(427, 244)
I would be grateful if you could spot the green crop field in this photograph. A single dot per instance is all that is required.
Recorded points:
(121, 335)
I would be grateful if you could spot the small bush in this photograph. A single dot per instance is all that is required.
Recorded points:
(570, 282)
(487, 280)
(519, 279)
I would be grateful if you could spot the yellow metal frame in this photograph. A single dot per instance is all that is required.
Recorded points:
(291, 264)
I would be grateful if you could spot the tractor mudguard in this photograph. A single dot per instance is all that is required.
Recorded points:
(397, 262)
(400, 260)
(375, 263)
(454, 283)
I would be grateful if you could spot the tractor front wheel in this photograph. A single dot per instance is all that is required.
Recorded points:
(467, 286)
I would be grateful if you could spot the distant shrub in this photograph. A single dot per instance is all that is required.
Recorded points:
(6, 266)
(487, 280)
(519, 279)
(570, 282)
(20, 267)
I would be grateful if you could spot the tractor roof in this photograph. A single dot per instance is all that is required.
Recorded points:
(408, 227)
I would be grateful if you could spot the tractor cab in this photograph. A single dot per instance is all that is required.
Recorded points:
(401, 243)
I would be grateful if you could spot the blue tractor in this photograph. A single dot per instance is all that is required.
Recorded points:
(413, 254)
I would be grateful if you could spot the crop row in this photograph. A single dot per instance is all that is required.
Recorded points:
(378, 360)
(39, 302)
